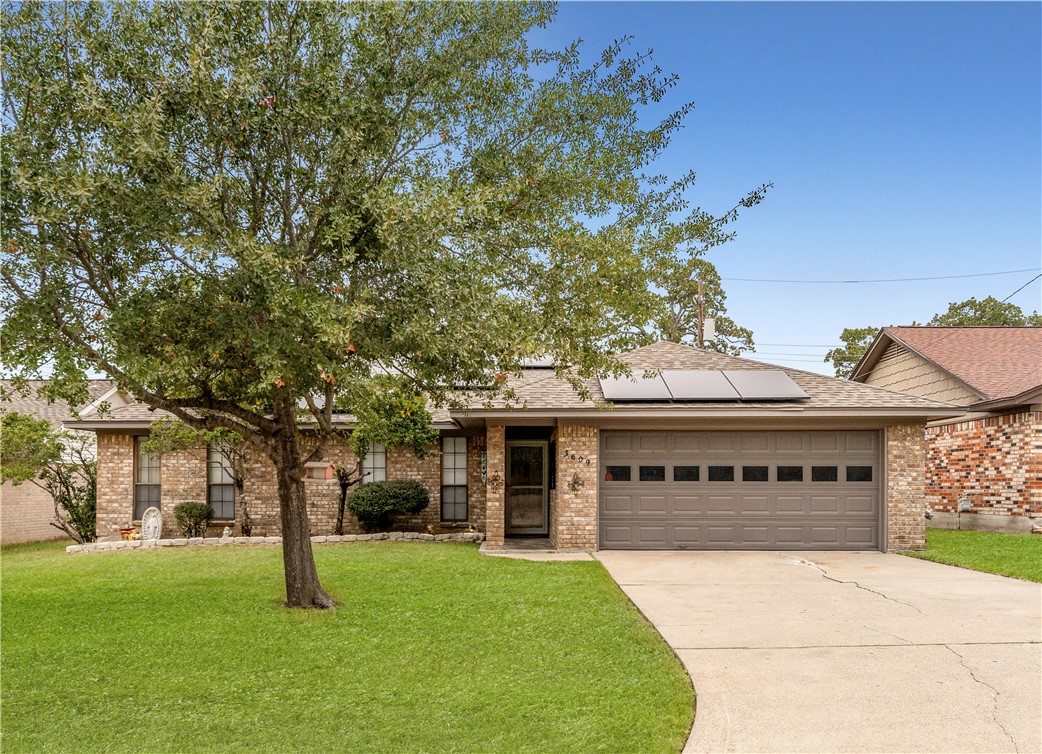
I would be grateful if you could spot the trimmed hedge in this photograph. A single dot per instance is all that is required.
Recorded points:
(374, 504)
(193, 518)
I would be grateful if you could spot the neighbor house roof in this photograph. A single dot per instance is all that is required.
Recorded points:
(996, 363)
(32, 403)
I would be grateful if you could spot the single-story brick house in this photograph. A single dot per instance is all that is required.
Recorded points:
(989, 457)
(707, 452)
(26, 510)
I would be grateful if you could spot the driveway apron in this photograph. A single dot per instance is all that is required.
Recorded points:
(845, 652)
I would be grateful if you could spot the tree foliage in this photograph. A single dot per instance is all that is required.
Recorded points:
(673, 305)
(856, 341)
(986, 312)
(238, 209)
(61, 463)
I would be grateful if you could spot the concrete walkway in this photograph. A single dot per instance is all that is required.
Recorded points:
(845, 652)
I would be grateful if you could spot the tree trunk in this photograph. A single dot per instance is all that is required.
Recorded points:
(302, 587)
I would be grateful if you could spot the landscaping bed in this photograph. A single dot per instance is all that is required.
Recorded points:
(1017, 555)
(433, 648)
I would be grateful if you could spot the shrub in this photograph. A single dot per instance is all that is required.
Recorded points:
(373, 504)
(193, 518)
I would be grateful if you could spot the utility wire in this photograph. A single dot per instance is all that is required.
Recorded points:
(1022, 288)
(886, 280)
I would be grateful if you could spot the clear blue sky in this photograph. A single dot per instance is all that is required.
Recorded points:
(903, 140)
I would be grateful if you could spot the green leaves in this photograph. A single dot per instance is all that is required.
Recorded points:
(224, 205)
(29, 447)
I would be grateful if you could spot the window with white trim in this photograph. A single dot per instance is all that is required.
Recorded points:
(220, 483)
(146, 479)
(374, 467)
(454, 479)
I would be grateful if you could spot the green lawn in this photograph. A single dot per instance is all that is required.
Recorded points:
(434, 648)
(1018, 555)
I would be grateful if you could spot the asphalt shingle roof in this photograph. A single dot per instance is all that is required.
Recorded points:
(30, 402)
(997, 362)
(542, 389)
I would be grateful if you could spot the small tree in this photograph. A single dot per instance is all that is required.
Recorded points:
(60, 463)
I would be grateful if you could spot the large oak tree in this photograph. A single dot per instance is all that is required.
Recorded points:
(247, 213)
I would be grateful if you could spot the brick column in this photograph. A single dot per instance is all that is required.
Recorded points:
(495, 486)
(574, 519)
(906, 487)
(115, 458)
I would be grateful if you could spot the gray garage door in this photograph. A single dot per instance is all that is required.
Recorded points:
(740, 490)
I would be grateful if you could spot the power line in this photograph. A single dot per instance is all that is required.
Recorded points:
(803, 345)
(790, 353)
(886, 280)
(1022, 288)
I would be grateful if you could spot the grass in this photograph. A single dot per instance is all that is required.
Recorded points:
(1017, 555)
(433, 648)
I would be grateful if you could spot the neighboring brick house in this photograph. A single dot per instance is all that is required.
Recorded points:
(26, 510)
(707, 452)
(990, 457)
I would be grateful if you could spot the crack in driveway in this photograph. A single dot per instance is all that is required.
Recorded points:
(994, 696)
(825, 575)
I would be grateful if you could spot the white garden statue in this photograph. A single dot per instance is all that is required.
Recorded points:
(151, 524)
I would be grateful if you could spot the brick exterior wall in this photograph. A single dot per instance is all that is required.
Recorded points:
(573, 510)
(183, 478)
(26, 511)
(906, 487)
(995, 462)
(495, 487)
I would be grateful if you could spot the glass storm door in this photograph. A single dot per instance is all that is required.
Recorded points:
(527, 489)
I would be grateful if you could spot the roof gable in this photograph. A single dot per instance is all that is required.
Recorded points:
(994, 362)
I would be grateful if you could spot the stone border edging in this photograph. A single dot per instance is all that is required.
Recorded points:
(394, 536)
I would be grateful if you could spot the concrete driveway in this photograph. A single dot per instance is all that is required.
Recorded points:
(845, 652)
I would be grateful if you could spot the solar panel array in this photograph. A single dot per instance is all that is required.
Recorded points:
(704, 385)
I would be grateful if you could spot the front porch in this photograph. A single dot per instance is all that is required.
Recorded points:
(541, 488)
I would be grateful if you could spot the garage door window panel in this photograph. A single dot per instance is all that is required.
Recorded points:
(652, 473)
(721, 473)
(755, 473)
(685, 473)
(824, 474)
(790, 473)
(859, 473)
(618, 474)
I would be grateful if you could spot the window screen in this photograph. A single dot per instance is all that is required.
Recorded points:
(220, 483)
(146, 479)
(454, 479)
(374, 467)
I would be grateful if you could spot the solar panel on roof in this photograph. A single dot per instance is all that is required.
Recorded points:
(764, 385)
(699, 385)
(634, 388)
